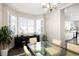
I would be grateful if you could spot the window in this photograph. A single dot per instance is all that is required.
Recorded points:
(38, 26)
(22, 25)
(25, 26)
(31, 26)
(13, 24)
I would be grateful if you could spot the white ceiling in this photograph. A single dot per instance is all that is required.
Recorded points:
(32, 8)
(72, 12)
(29, 8)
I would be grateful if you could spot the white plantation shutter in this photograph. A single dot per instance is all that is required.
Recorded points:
(31, 26)
(40, 26)
(22, 25)
(12, 22)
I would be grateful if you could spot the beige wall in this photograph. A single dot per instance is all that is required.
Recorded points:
(0, 15)
(76, 23)
(53, 25)
(62, 29)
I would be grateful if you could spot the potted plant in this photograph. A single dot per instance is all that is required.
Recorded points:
(44, 39)
(5, 39)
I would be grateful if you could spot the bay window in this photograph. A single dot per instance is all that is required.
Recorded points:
(38, 26)
(31, 28)
(22, 25)
(12, 22)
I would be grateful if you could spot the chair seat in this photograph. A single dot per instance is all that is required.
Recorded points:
(39, 54)
(52, 51)
(35, 47)
(27, 52)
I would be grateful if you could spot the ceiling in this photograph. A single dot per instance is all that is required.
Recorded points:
(72, 12)
(32, 8)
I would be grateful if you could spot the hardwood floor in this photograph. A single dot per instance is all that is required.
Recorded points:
(15, 51)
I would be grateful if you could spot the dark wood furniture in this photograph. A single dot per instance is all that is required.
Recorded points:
(19, 40)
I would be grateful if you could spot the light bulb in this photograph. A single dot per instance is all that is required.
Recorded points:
(48, 5)
(43, 3)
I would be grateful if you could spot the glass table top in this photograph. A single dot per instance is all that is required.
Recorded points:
(49, 49)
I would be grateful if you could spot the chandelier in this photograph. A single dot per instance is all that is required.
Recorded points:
(49, 6)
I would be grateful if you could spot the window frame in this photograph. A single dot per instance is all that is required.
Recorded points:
(34, 25)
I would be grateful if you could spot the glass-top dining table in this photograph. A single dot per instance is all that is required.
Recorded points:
(49, 49)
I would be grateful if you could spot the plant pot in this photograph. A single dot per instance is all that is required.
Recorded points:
(4, 52)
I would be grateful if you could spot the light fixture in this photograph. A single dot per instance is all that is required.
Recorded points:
(49, 6)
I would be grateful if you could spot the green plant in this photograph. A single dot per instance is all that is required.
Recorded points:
(44, 38)
(5, 36)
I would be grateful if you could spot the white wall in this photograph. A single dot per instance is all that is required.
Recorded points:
(53, 25)
(76, 23)
(72, 12)
(0, 15)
